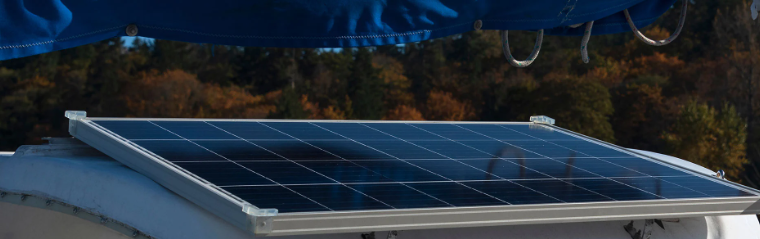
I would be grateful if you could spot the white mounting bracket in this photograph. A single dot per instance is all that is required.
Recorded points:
(259, 220)
(754, 8)
(74, 116)
(542, 119)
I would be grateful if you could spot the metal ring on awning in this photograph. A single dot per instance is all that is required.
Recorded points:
(584, 42)
(681, 21)
(508, 54)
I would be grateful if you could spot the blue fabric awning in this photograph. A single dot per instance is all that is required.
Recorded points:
(29, 27)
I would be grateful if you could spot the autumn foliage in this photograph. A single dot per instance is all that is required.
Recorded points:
(696, 98)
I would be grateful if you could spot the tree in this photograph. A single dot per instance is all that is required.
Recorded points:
(366, 87)
(442, 106)
(580, 105)
(711, 138)
(738, 36)
(403, 112)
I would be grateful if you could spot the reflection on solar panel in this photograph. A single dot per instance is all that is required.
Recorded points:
(320, 167)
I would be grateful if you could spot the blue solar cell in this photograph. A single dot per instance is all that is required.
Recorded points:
(400, 171)
(285, 172)
(646, 167)
(539, 132)
(511, 192)
(237, 150)
(339, 197)
(347, 149)
(407, 165)
(500, 149)
(249, 130)
(276, 197)
(136, 129)
(455, 150)
(452, 169)
(660, 187)
(600, 167)
(589, 149)
(563, 191)
(178, 150)
(401, 149)
(554, 168)
(706, 186)
(457, 194)
(450, 131)
(194, 130)
(295, 150)
(224, 173)
(495, 132)
(613, 189)
(500, 168)
(354, 131)
(399, 196)
(403, 131)
(345, 171)
(302, 130)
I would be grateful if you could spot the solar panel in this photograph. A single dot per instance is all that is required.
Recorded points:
(316, 169)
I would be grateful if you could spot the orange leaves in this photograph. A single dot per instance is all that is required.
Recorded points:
(403, 112)
(321, 113)
(171, 94)
(176, 93)
(442, 106)
(656, 64)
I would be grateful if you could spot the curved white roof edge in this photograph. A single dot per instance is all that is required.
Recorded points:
(80, 176)
(677, 161)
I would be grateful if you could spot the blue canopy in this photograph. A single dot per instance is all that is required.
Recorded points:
(29, 27)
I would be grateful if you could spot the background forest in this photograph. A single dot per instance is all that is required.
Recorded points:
(695, 98)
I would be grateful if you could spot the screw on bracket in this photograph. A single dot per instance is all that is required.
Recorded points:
(76, 210)
(131, 30)
(135, 233)
(103, 220)
(2, 194)
(370, 235)
(48, 202)
(23, 198)
(392, 235)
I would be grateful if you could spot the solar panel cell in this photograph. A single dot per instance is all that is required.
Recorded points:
(345, 171)
(224, 173)
(278, 197)
(237, 150)
(511, 192)
(178, 150)
(285, 172)
(457, 194)
(399, 195)
(136, 130)
(564, 191)
(339, 197)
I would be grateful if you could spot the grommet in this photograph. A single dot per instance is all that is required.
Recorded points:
(131, 30)
(478, 24)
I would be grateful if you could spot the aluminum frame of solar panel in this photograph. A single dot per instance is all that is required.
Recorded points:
(263, 222)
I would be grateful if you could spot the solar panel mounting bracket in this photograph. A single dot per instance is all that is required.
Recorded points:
(260, 220)
(542, 119)
(74, 116)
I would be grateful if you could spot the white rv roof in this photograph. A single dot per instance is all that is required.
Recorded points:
(81, 177)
